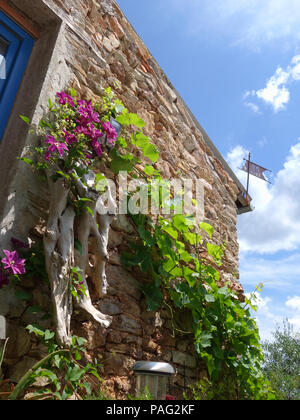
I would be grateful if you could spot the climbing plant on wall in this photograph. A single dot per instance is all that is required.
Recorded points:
(225, 334)
(177, 253)
(76, 136)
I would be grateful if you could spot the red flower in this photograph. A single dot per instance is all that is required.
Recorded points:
(170, 397)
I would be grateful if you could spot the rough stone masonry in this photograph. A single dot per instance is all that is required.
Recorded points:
(90, 45)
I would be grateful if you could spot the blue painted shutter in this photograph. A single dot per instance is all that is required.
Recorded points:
(15, 48)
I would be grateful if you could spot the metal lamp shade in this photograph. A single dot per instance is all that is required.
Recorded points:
(154, 377)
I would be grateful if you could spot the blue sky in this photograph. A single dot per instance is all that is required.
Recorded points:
(236, 63)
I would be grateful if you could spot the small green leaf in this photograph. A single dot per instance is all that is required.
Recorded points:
(72, 92)
(207, 228)
(22, 295)
(151, 152)
(209, 298)
(49, 335)
(89, 210)
(215, 251)
(28, 161)
(78, 246)
(74, 374)
(25, 119)
(149, 170)
(34, 309)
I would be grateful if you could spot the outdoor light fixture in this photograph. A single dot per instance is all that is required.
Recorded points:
(2, 328)
(153, 376)
(3, 340)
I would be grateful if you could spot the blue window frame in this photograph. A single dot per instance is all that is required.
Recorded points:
(15, 48)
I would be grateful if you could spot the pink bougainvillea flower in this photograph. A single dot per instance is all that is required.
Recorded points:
(80, 129)
(13, 263)
(70, 137)
(81, 102)
(87, 114)
(64, 98)
(4, 281)
(110, 132)
(95, 134)
(97, 148)
(55, 145)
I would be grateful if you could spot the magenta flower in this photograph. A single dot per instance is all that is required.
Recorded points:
(87, 115)
(64, 98)
(13, 263)
(95, 134)
(55, 145)
(80, 129)
(82, 102)
(110, 132)
(70, 137)
(97, 148)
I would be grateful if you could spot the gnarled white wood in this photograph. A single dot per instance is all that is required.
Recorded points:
(59, 255)
(61, 230)
(92, 230)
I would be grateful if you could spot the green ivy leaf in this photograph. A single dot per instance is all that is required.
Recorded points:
(209, 298)
(120, 162)
(154, 297)
(25, 119)
(151, 152)
(149, 170)
(215, 251)
(22, 295)
(74, 374)
(207, 228)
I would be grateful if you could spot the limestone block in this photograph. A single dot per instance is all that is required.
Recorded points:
(9, 304)
(130, 325)
(117, 364)
(16, 372)
(121, 223)
(109, 307)
(116, 27)
(107, 44)
(114, 42)
(184, 359)
(122, 281)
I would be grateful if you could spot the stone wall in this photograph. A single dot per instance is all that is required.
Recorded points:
(95, 47)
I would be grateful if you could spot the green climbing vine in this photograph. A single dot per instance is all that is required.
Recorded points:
(183, 268)
(178, 256)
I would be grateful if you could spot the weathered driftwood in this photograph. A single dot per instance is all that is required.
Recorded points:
(92, 229)
(61, 231)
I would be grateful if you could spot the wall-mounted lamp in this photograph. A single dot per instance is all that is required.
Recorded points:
(153, 376)
(2, 328)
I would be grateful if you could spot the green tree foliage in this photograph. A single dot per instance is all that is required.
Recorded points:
(282, 362)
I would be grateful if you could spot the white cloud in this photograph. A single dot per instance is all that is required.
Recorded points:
(274, 225)
(293, 303)
(244, 22)
(277, 90)
(253, 107)
(276, 93)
